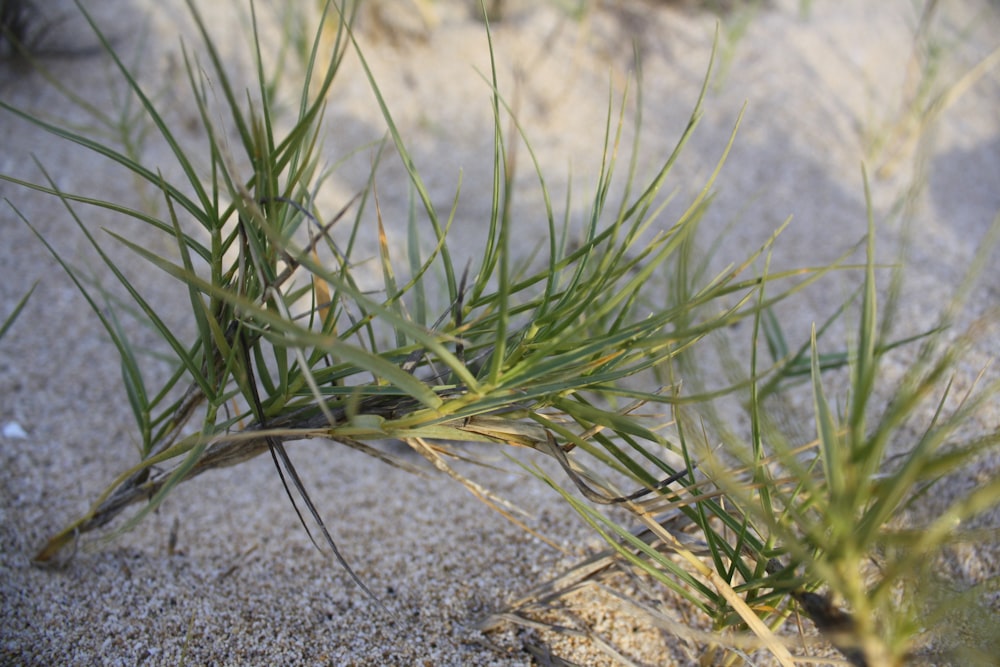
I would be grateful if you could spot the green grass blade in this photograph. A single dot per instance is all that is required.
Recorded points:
(9, 320)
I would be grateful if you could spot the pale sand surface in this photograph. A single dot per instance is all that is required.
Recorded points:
(243, 585)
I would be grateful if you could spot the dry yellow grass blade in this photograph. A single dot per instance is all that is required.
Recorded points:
(760, 629)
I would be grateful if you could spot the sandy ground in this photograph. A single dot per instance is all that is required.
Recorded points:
(241, 584)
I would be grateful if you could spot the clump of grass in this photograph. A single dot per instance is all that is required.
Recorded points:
(288, 346)
(841, 511)
(763, 526)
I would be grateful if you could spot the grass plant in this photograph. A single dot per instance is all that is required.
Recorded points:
(288, 346)
(566, 355)
(765, 525)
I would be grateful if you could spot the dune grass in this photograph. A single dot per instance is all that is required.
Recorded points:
(567, 356)
(766, 526)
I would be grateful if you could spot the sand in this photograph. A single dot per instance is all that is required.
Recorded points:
(223, 574)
